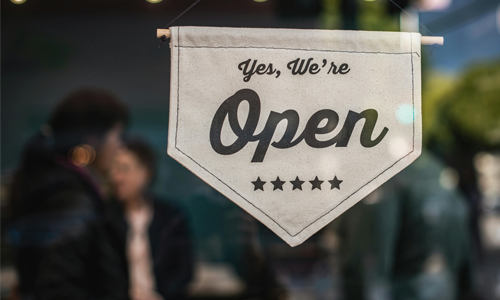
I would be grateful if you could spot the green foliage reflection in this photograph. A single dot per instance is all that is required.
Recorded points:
(467, 111)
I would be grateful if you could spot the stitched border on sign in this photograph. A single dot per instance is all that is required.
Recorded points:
(329, 211)
(298, 49)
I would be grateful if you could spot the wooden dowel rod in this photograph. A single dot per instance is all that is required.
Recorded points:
(432, 40)
(163, 32)
(424, 40)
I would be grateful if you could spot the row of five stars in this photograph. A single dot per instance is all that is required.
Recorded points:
(297, 184)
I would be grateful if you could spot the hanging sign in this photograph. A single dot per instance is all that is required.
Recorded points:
(294, 126)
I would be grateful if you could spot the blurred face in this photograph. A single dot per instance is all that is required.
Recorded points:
(128, 176)
(110, 145)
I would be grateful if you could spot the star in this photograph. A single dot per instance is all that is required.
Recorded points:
(335, 183)
(316, 183)
(297, 183)
(258, 184)
(278, 184)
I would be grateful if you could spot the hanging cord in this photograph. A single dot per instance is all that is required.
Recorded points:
(434, 47)
(163, 37)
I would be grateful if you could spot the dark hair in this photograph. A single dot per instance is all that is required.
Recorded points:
(84, 113)
(144, 153)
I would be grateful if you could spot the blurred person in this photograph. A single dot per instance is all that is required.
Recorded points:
(59, 184)
(158, 246)
(409, 239)
(229, 238)
(139, 250)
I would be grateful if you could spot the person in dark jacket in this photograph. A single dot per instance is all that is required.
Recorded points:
(140, 250)
(409, 239)
(58, 187)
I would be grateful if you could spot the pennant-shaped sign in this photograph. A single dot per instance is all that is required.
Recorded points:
(294, 126)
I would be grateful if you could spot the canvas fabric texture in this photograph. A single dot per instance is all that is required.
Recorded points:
(294, 126)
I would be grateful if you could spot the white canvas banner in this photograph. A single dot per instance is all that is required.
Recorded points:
(294, 126)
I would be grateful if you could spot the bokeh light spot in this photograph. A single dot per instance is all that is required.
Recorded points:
(82, 155)
(399, 147)
(405, 113)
